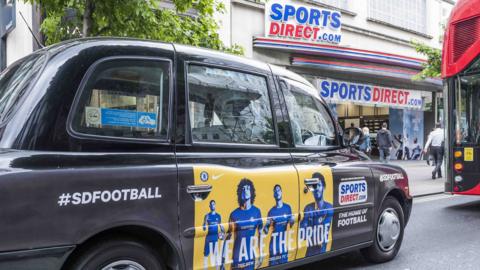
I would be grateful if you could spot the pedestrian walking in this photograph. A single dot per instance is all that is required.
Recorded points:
(384, 142)
(430, 160)
(365, 146)
(435, 142)
(352, 134)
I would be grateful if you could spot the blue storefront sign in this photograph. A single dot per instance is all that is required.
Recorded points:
(340, 91)
(288, 20)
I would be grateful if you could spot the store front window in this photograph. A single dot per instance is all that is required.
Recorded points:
(361, 116)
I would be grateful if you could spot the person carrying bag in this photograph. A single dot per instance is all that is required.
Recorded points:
(384, 142)
(366, 146)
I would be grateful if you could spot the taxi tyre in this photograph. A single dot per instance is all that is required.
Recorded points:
(375, 253)
(108, 254)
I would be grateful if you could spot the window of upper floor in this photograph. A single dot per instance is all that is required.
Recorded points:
(407, 14)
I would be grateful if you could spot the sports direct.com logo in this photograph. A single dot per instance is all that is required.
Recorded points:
(352, 192)
(107, 196)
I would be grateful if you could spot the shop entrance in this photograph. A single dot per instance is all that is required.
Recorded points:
(361, 116)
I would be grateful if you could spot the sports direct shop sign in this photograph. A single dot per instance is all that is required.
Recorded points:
(339, 91)
(286, 20)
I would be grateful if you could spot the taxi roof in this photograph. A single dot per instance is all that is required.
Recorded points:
(232, 60)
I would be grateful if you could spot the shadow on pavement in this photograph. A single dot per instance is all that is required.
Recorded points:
(466, 207)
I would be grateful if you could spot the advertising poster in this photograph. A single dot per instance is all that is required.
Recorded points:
(396, 128)
(413, 134)
(316, 217)
(251, 217)
(406, 127)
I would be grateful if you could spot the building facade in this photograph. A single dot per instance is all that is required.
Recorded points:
(17, 41)
(359, 55)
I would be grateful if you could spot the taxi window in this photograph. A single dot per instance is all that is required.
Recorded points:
(310, 122)
(228, 106)
(125, 98)
(15, 80)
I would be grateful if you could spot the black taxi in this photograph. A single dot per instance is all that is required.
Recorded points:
(131, 154)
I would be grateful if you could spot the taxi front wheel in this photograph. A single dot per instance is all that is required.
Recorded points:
(389, 230)
(118, 254)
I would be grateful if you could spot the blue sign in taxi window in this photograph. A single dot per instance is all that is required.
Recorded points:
(127, 118)
(146, 120)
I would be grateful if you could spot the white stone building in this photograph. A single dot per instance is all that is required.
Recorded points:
(17, 40)
(373, 51)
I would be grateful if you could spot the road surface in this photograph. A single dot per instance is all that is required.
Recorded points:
(443, 233)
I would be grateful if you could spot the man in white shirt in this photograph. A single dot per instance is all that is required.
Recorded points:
(435, 142)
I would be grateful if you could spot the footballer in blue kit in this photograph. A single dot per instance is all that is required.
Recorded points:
(318, 217)
(244, 222)
(212, 222)
(279, 217)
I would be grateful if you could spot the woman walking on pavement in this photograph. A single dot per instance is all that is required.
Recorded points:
(365, 146)
(435, 142)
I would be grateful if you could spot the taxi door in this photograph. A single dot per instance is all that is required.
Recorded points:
(336, 196)
(238, 187)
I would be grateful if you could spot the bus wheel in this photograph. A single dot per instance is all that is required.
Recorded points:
(388, 233)
(118, 254)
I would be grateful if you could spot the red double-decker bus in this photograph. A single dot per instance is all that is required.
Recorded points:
(461, 74)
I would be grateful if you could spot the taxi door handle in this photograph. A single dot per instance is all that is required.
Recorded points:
(311, 184)
(199, 192)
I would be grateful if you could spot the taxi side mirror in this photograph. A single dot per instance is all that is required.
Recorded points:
(352, 136)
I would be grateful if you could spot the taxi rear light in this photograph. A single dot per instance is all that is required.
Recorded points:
(458, 178)
(458, 154)
(458, 167)
(456, 189)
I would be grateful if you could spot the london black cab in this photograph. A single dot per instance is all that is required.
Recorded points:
(130, 154)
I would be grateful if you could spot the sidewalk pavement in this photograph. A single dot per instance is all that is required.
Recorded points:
(420, 177)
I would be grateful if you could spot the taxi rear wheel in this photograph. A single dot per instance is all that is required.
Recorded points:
(127, 254)
(390, 225)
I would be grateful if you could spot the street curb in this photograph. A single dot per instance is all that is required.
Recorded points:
(428, 194)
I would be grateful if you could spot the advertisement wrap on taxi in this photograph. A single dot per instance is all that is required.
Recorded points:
(286, 20)
(256, 222)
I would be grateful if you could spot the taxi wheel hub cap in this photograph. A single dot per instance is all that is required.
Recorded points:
(388, 230)
(124, 265)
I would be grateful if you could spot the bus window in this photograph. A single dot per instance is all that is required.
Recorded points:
(467, 117)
